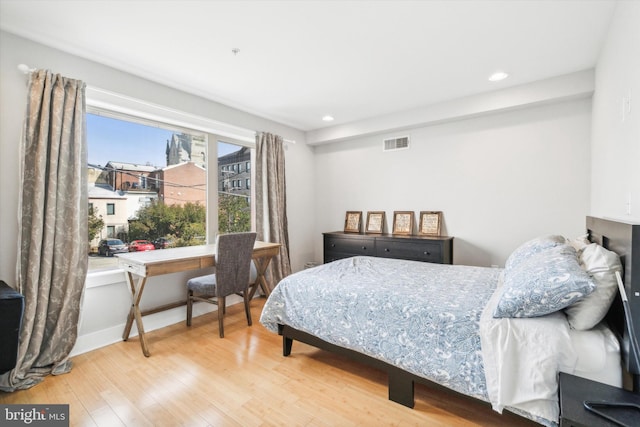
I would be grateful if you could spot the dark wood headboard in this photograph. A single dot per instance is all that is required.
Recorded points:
(624, 239)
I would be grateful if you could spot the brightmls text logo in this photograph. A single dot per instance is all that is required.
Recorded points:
(34, 415)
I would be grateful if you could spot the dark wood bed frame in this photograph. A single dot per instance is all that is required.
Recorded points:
(620, 237)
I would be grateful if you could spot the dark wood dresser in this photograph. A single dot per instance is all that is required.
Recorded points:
(338, 245)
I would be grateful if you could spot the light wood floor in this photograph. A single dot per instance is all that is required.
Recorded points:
(194, 378)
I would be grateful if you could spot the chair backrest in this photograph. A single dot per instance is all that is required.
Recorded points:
(233, 262)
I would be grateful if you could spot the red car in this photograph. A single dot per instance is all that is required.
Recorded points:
(141, 246)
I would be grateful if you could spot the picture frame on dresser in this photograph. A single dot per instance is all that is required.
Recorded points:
(353, 222)
(375, 222)
(430, 223)
(403, 223)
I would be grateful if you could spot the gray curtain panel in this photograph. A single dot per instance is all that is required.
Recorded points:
(271, 200)
(52, 222)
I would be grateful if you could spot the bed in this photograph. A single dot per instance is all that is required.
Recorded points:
(497, 335)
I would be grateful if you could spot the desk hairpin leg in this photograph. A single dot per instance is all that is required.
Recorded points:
(134, 313)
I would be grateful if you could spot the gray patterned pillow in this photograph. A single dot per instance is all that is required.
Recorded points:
(531, 247)
(543, 283)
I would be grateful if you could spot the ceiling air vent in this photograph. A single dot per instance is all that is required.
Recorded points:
(396, 143)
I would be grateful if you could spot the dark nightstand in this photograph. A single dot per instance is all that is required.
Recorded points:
(575, 390)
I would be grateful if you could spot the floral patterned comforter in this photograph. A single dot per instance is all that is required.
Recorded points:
(421, 317)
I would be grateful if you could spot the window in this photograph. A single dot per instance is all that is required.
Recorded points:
(122, 129)
(234, 202)
(152, 178)
(247, 183)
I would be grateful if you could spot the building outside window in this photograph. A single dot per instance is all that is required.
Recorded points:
(158, 166)
(138, 167)
(234, 202)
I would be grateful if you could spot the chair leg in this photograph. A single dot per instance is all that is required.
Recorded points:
(189, 307)
(247, 309)
(221, 310)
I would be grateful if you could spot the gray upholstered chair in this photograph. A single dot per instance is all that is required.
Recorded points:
(232, 276)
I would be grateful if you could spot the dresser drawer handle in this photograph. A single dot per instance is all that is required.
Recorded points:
(387, 250)
(364, 248)
(427, 253)
(333, 245)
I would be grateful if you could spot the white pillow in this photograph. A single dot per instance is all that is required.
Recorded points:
(601, 264)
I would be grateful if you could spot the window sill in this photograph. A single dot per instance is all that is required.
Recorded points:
(97, 278)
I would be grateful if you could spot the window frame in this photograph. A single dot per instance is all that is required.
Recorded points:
(122, 107)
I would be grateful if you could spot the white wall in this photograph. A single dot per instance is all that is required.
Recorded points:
(615, 158)
(504, 177)
(499, 179)
(106, 297)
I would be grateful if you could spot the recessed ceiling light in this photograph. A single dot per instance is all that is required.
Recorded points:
(327, 118)
(497, 76)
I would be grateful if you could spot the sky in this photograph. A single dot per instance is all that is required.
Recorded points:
(121, 141)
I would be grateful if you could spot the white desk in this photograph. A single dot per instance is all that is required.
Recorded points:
(141, 265)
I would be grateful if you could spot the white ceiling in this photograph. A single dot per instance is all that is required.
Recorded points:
(300, 60)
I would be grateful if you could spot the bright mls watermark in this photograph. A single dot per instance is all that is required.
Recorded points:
(34, 415)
